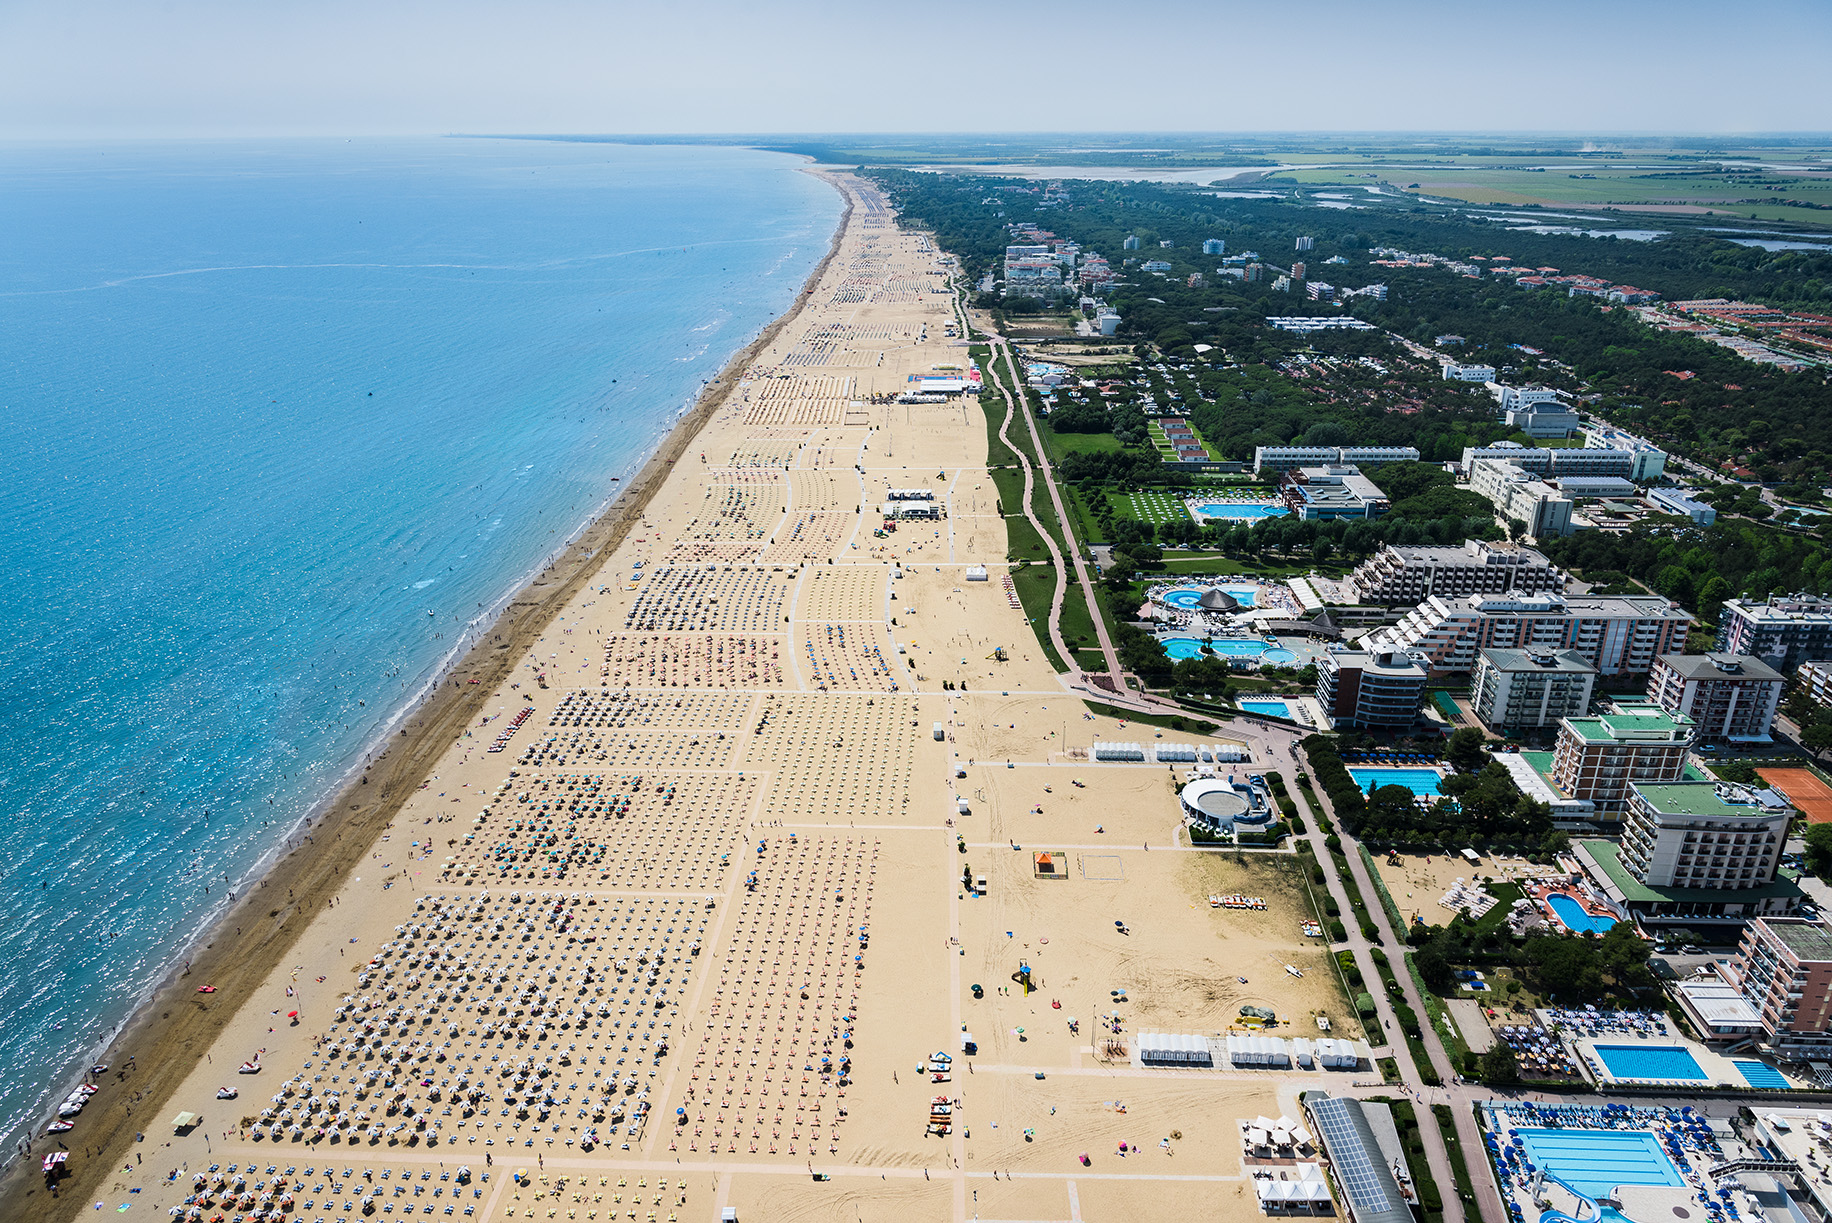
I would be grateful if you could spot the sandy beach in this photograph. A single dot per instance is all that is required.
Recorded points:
(663, 905)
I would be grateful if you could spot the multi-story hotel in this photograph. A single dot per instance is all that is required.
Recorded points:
(1406, 574)
(1784, 969)
(1596, 759)
(1783, 632)
(1731, 698)
(1695, 852)
(1617, 636)
(1524, 689)
(1370, 691)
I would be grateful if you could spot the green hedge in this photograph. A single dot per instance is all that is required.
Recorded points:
(1333, 776)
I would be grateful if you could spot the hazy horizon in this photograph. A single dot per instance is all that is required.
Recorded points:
(110, 69)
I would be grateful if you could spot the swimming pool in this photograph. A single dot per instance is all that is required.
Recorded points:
(1576, 918)
(1423, 782)
(1266, 709)
(1664, 1063)
(1185, 598)
(1183, 647)
(1761, 1074)
(1595, 1161)
(1244, 511)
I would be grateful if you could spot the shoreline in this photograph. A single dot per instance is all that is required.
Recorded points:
(172, 1027)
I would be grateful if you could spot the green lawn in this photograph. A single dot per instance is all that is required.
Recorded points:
(1036, 587)
(1080, 443)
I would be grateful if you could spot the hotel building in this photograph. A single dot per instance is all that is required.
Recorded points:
(1731, 698)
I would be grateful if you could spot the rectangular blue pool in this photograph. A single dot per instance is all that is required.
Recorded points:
(1596, 1161)
(1266, 709)
(1761, 1074)
(1664, 1063)
(1423, 782)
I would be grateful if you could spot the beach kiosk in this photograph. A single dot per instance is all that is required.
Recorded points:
(183, 1122)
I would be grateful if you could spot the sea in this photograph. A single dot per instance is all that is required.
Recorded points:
(285, 423)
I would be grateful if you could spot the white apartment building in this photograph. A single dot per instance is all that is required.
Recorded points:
(1731, 697)
(1519, 495)
(1401, 573)
(1454, 372)
(1700, 834)
(1616, 635)
(1569, 461)
(1650, 460)
(1289, 458)
(1526, 689)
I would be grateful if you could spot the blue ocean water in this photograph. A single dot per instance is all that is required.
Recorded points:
(283, 421)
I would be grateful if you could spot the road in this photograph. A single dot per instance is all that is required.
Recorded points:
(1488, 1200)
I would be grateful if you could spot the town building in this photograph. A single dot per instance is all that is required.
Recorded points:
(1596, 759)
(1214, 246)
(1320, 291)
(1678, 501)
(1547, 461)
(1289, 458)
(1514, 398)
(1784, 632)
(1815, 679)
(1253, 273)
(1731, 698)
(1618, 635)
(1694, 852)
(1650, 460)
(1783, 967)
(1543, 419)
(1032, 276)
(1594, 486)
(1155, 265)
(1305, 244)
(1306, 323)
(1454, 372)
(1370, 690)
(1298, 270)
(1326, 493)
(1528, 689)
(1401, 573)
(1519, 496)
(1131, 243)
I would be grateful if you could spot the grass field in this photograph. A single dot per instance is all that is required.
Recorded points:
(1642, 183)
(1154, 507)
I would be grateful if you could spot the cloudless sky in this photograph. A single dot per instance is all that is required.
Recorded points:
(81, 68)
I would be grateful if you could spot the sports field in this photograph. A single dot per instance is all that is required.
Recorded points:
(1804, 789)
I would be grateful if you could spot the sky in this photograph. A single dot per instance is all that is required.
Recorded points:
(132, 68)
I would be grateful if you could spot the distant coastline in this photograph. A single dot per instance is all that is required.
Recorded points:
(171, 1027)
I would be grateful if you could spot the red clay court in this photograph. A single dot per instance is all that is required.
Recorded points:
(1804, 789)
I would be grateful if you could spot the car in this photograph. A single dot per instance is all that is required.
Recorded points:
(1691, 950)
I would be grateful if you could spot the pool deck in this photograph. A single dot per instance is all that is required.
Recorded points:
(1541, 895)
(1699, 1149)
(1719, 1072)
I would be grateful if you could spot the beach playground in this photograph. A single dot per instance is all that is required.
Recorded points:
(776, 878)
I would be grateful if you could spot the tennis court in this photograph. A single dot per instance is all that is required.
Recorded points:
(1804, 789)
